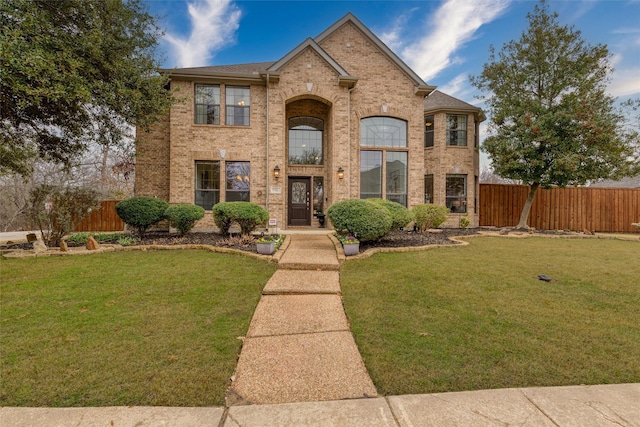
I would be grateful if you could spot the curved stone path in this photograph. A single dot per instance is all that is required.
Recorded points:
(299, 347)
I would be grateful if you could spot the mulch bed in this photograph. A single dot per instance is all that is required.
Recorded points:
(394, 239)
(400, 239)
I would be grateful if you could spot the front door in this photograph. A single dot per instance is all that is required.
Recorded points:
(299, 201)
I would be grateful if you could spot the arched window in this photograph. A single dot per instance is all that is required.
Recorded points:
(305, 140)
(383, 132)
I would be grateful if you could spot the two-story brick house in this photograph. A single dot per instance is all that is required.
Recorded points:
(340, 116)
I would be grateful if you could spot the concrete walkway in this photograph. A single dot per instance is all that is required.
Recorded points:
(299, 347)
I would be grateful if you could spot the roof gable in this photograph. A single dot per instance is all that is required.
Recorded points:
(344, 77)
(421, 86)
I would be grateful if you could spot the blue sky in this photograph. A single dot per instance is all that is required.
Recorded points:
(443, 41)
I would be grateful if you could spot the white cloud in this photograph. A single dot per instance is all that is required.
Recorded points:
(453, 24)
(213, 26)
(392, 37)
(625, 82)
(458, 87)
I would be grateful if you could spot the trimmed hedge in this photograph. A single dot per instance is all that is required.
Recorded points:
(247, 215)
(429, 215)
(365, 220)
(184, 216)
(142, 212)
(400, 216)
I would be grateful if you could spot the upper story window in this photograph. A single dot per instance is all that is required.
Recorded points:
(207, 104)
(457, 129)
(383, 132)
(238, 105)
(305, 141)
(428, 131)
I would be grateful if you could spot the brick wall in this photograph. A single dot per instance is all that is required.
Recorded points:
(307, 85)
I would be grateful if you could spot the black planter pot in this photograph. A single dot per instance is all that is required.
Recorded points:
(321, 220)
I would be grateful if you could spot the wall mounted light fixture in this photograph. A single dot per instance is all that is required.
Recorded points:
(276, 171)
(340, 172)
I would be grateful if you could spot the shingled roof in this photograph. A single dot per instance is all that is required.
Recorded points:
(629, 182)
(441, 101)
(251, 68)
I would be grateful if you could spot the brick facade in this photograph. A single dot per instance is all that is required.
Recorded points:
(343, 76)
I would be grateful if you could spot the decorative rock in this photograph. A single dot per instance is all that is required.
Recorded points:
(92, 245)
(63, 246)
(587, 232)
(504, 231)
(39, 246)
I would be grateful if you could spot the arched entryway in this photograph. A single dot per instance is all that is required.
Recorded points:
(307, 153)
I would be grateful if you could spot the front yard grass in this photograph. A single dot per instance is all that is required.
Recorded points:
(135, 328)
(478, 317)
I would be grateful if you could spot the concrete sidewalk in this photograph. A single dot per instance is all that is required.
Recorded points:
(299, 347)
(573, 406)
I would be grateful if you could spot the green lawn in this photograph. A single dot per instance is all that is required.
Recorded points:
(477, 317)
(134, 328)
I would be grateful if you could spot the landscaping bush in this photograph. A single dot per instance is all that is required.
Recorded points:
(222, 216)
(142, 212)
(365, 220)
(57, 211)
(465, 221)
(247, 215)
(184, 216)
(400, 216)
(429, 215)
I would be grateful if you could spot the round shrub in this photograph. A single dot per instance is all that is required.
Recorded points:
(363, 219)
(465, 221)
(247, 215)
(222, 216)
(429, 215)
(141, 212)
(184, 216)
(400, 216)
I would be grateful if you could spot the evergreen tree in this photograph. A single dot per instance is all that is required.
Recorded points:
(552, 122)
(74, 71)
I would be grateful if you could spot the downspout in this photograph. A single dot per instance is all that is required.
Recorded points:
(349, 140)
(267, 125)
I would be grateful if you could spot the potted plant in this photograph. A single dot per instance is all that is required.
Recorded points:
(321, 218)
(351, 245)
(266, 245)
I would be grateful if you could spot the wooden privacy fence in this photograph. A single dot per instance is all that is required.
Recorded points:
(103, 219)
(571, 208)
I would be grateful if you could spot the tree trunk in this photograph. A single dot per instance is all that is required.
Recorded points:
(524, 216)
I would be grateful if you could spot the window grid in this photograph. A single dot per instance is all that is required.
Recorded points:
(428, 131)
(305, 141)
(238, 109)
(456, 190)
(207, 185)
(207, 104)
(456, 130)
(428, 188)
(383, 132)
